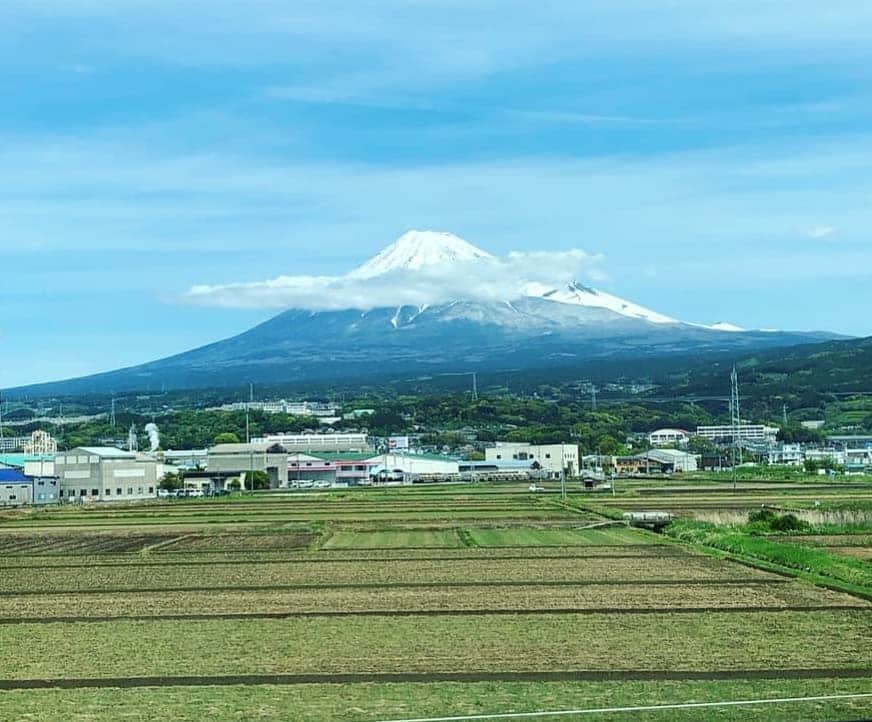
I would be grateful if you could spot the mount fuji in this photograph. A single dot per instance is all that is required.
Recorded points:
(535, 325)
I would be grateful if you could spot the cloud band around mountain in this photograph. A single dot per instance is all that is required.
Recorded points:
(493, 279)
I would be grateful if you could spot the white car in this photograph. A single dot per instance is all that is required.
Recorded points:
(535, 487)
(322, 484)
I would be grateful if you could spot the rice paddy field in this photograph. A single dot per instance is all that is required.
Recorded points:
(398, 604)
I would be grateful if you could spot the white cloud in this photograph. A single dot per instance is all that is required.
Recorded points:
(820, 232)
(497, 279)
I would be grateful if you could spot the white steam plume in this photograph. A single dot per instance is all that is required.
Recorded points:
(153, 436)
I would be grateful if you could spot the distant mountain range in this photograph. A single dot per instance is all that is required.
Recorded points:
(542, 326)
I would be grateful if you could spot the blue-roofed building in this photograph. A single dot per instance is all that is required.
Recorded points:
(15, 488)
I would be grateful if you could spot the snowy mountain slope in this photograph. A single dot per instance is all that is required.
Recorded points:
(577, 295)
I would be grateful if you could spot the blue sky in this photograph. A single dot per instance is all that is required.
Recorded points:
(717, 154)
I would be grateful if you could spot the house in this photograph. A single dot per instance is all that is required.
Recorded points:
(553, 458)
(106, 473)
(669, 437)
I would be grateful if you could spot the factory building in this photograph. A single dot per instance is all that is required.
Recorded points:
(655, 461)
(228, 461)
(105, 473)
(552, 458)
(338, 469)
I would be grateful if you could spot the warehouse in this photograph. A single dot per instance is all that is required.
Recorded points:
(411, 468)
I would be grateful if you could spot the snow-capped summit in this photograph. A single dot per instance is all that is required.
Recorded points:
(415, 250)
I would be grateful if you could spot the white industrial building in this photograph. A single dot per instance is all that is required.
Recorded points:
(308, 443)
(553, 458)
(104, 473)
(414, 467)
(669, 437)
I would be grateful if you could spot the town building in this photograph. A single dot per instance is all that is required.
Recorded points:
(11, 443)
(834, 457)
(105, 473)
(786, 455)
(669, 437)
(294, 408)
(725, 434)
(553, 458)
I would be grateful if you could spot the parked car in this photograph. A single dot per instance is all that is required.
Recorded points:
(322, 484)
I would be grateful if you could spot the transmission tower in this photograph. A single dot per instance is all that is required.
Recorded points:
(474, 386)
(112, 414)
(593, 397)
(735, 417)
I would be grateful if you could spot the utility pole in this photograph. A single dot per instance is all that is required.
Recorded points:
(563, 484)
(784, 414)
(474, 386)
(112, 414)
